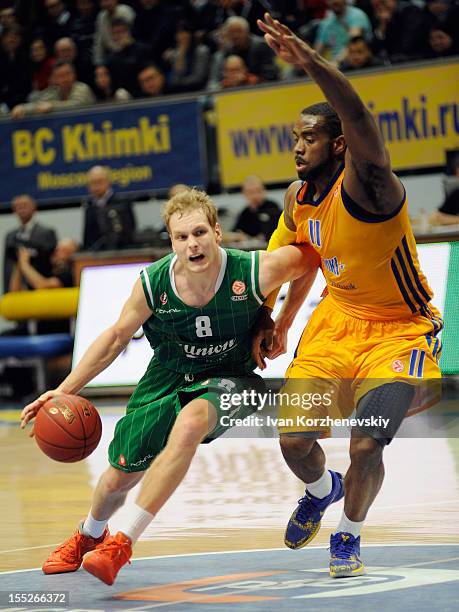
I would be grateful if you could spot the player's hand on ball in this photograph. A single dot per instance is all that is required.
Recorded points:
(31, 410)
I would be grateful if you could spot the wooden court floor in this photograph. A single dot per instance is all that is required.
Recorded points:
(237, 495)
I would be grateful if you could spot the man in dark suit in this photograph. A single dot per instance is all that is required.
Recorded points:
(38, 239)
(108, 222)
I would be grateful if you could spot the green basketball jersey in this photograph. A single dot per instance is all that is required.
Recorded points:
(217, 336)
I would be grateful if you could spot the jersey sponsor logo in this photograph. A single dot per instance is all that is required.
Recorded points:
(143, 460)
(239, 298)
(163, 298)
(398, 365)
(238, 287)
(192, 351)
(347, 287)
(162, 311)
(333, 265)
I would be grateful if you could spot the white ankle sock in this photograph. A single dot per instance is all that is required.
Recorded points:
(139, 522)
(322, 487)
(348, 526)
(93, 528)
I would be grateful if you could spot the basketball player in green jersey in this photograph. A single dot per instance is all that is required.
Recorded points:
(197, 307)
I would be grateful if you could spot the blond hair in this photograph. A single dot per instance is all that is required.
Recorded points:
(188, 200)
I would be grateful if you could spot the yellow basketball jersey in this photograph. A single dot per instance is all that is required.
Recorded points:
(369, 261)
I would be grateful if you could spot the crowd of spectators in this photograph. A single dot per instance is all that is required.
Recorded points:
(63, 53)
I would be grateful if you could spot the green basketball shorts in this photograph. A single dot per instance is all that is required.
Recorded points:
(153, 408)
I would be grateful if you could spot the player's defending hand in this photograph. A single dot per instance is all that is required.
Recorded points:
(279, 344)
(285, 43)
(31, 410)
(262, 338)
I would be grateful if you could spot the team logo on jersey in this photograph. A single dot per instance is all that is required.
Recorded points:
(163, 298)
(238, 287)
(333, 265)
(398, 365)
(314, 232)
(122, 460)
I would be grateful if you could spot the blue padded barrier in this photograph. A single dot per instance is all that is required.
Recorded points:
(27, 347)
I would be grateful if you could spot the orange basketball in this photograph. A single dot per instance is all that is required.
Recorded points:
(67, 428)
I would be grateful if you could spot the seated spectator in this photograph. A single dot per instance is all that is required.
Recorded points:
(8, 18)
(440, 43)
(444, 16)
(125, 63)
(83, 29)
(155, 25)
(27, 276)
(259, 218)
(66, 92)
(14, 68)
(58, 21)
(109, 223)
(258, 57)
(359, 56)
(38, 239)
(152, 82)
(236, 74)
(340, 25)
(104, 88)
(212, 15)
(65, 50)
(42, 68)
(448, 213)
(188, 62)
(103, 37)
(398, 32)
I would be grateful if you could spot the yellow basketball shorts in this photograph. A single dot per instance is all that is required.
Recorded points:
(340, 358)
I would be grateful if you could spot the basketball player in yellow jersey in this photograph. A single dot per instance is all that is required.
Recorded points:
(375, 329)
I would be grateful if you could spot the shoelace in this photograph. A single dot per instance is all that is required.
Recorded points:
(344, 549)
(114, 549)
(67, 549)
(304, 511)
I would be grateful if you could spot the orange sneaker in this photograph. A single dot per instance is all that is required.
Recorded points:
(109, 557)
(68, 556)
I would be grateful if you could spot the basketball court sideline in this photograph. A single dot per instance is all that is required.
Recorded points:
(217, 542)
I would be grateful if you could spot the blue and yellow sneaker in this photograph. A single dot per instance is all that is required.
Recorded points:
(344, 555)
(304, 524)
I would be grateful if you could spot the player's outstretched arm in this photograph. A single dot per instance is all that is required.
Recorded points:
(284, 234)
(369, 179)
(102, 352)
(286, 264)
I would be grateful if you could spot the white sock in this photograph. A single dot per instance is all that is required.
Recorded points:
(348, 526)
(93, 528)
(322, 487)
(139, 522)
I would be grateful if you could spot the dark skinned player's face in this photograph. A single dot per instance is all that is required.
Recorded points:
(313, 149)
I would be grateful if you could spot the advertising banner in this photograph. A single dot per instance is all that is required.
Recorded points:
(104, 289)
(416, 109)
(147, 147)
